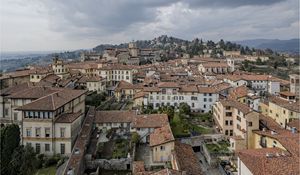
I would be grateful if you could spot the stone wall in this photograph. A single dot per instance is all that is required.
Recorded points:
(111, 164)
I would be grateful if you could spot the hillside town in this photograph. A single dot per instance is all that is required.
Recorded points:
(145, 111)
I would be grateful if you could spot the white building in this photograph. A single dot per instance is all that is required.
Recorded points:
(200, 99)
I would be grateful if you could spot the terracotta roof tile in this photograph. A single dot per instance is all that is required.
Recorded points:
(68, 117)
(161, 135)
(53, 101)
(186, 159)
(150, 121)
(114, 116)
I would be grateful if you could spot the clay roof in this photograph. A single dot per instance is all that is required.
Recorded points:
(94, 79)
(222, 86)
(151, 89)
(214, 64)
(269, 122)
(140, 94)
(138, 167)
(83, 79)
(83, 65)
(186, 159)
(293, 106)
(150, 121)
(287, 93)
(168, 85)
(19, 73)
(206, 89)
(240, 106)
(52, 78)
(295, 123)
(117, 67)
(33, 92)
(15, 89)
(239, 92)
(278, 161)
(68, 117)
(53, 101)
(114, 116)
(124, 85)
(77, 157)
(161, 135)
(167, 171)
(257, 161)
(189, 88)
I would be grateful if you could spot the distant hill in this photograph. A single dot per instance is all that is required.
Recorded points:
(162, 42)
(290, 46)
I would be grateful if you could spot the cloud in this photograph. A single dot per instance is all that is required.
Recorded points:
(85, 23)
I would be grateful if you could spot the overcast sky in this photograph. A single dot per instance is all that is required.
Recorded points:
(40, 25)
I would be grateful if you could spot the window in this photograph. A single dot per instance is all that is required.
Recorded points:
(62, 132)
(250, 124)
(28, 132)
(62, 148)
(238, 118)
(228, 114)
(162, 148)
(210, 94)
(47, 132)
(47, 147)
(227, 108)
(204, 99)
(231, 122)
(231, 133)
(6, 111)
(193, 105)
(37, 148)
(28, 144)
(37, 132)
(204, 94)
(204, 106)
(226, 132)
(15, 116)
(193, 98)
(226, 122)
(210, 100)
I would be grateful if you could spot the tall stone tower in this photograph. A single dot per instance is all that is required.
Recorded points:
(59, 68)
(133, 50)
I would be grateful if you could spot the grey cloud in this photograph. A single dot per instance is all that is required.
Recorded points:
(229, 3)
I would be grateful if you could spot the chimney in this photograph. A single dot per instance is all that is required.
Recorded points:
(294, 130)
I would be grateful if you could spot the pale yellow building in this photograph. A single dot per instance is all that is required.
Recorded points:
(236, 121)
(125, 90)
(50, 124)
(59, 68)
(281, 110)
(162, 143)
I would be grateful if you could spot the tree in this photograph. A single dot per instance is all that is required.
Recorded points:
(17, 160)
(184, 108)
(259, 61)
(169, 110)
(29, 161)
(10, 140)
(135, 137)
